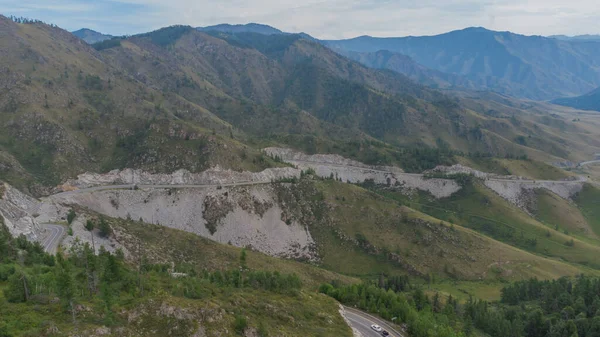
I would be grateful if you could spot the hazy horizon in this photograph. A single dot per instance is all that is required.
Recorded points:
(323, 19)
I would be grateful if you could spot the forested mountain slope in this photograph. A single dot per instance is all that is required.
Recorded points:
(291, 76)
(180, 98)
(400, 63)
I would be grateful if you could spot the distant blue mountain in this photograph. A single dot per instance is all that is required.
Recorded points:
(91, 36)
(400, 63)
(251, 28)
(586, 37)
(247, 28)
(589, 101)
(532, 67)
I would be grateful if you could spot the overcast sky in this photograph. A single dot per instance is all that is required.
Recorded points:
(326, 19)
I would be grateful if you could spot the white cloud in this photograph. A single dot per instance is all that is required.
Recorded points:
(326, 18)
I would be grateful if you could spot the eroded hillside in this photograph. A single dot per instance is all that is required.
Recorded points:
(415, 223)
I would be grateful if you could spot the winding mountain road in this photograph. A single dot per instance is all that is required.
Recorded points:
(362, 322)
(248, 183)
(54, 237)
(165, 186)
(589, 163)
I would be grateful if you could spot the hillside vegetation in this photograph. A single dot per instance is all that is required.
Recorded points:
(478, 208)
(179, 98)
(103, 294)
(363, 234)
(564, 307)
(183, 98)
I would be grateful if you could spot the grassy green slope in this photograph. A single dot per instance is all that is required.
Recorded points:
(166, 307)
(305, 314)
(588, 201)
(479, 208)
(364, 234)
(558, 213)
(524, 168)
(165, 244)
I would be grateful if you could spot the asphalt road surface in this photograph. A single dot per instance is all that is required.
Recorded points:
(54, 237)
(362, 322)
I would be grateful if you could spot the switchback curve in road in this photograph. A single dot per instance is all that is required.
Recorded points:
(51, 242)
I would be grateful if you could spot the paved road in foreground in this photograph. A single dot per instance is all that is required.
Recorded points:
(54, 238)
(362, 322)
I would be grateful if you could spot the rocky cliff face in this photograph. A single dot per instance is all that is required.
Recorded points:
(239, 208)
(244, 216)
(211, 176)
(514, 189)
(19, 211)
(517, 192)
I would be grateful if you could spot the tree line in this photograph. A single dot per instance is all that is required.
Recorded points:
(567, 307)
(106, 282)
(24, 20)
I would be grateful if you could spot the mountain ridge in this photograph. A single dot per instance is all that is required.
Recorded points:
(585, 37)
(506, 64)
(91, 36)
(239, 28)
(501, 61)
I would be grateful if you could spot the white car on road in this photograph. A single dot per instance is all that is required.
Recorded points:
(376, 327)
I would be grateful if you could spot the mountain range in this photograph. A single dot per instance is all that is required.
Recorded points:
(403, 64)
(240, 123)
(130, 101)
(532, 67)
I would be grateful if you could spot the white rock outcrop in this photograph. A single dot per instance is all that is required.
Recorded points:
(347, 170)
(180, 177)
(18, 211)
(515, 191)
(461, 169)
(246, 216)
